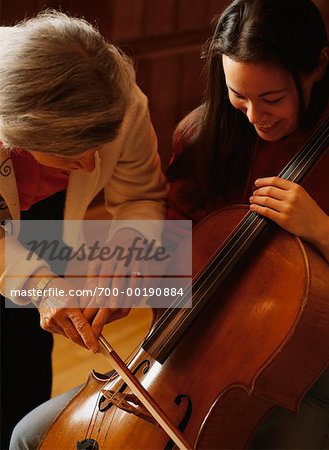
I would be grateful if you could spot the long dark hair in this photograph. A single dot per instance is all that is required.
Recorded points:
(289, 33)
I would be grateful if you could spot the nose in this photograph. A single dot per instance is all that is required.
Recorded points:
(86, 162)
(255, 112)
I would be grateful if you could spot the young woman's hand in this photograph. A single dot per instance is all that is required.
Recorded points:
(291, 207)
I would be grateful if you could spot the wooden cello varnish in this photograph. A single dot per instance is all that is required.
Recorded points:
(257, 337)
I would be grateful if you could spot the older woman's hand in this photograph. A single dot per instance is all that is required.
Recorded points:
(62, 315)
(113, 282)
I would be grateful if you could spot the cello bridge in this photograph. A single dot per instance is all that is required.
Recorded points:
(129, 403)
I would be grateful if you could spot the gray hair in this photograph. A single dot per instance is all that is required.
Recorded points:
(63, 88)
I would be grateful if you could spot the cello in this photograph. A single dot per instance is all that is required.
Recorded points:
(257, 336)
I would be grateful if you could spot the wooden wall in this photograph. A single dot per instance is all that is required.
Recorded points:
(163, 36)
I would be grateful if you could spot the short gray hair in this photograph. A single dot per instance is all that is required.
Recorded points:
(63, 88)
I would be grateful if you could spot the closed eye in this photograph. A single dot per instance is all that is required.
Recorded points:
(277, 100)
(238, 96)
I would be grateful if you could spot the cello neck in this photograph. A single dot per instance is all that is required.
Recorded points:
(300, 165)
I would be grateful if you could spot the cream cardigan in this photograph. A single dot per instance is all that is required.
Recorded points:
(128, 169)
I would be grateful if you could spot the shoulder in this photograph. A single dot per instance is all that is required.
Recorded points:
(138, 100)
(185, 144)
(137, 110)
(135, 136)
(4, 32)
(184, 160)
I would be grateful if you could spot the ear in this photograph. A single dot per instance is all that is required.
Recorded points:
(319, 71)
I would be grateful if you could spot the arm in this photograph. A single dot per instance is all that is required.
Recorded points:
(55, 318)
(62, 315)
(18, 271)
(186, 198)
(135, 197)
(137, 190)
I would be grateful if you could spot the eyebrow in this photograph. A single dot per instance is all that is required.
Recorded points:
(279, 91)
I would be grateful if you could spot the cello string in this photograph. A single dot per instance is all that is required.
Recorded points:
(301, 167)
(305, 152)
(204, 289)
(299, 171)
(213, 275)
(302, 162)
(308, 148)
(205, 276)
(110, 424)
(93, 417)
(252, 222)
(203, 280)
(113, 411)
(255, 219)
(92, 422)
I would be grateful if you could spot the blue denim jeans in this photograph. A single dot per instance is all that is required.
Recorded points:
(29, 431)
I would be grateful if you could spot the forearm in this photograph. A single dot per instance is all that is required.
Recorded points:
(16, 268)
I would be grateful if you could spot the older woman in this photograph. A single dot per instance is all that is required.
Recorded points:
(72, 122)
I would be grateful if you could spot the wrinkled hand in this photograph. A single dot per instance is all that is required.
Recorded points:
(58, 316)
(290, 206)
(104, 308)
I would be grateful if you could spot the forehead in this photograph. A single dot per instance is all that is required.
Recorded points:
(245, 77)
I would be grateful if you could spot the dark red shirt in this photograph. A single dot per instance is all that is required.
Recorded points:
(268, 159)
(35, 182)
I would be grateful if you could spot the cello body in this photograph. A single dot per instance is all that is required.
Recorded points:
(261, 341)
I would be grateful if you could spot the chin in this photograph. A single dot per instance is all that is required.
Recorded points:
(275, 134)
(268, 137)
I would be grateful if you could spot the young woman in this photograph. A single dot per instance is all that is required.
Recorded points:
(267, 90)
(72, 122)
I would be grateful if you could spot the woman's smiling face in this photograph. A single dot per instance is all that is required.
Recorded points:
(267, 95)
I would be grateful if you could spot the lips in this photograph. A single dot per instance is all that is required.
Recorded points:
(266, 126)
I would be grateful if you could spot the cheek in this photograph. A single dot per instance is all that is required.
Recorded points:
(55, 162)
(237, 103)
(289, 109)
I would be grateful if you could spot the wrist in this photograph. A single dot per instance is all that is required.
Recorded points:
(33, 279)
(37, 293)
(37, 283)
